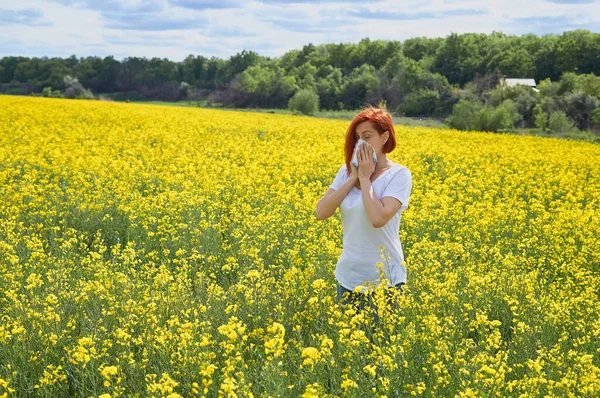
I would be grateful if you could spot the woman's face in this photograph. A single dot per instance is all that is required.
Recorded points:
(367, 132)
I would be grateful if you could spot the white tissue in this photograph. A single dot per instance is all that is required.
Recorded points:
(356, 148)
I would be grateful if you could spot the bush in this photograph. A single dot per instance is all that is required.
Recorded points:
(579, 108)
(549, 105)
(305, 101)
(588, 83)
(423, 102)
(524, 98)
(541, 118)
(506, 115)
(162, 91)
(560, 123)
(462, 115)
(548, 88)
(494, 119)
(184, 90)
(596, 118)
(49, 93)
(74, 89)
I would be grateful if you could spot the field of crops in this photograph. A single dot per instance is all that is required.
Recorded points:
(167, 251)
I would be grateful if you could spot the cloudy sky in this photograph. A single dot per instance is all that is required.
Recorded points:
(177, 28)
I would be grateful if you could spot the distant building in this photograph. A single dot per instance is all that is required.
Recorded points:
(510, 82)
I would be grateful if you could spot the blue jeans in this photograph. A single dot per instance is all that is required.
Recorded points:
(341, 290)
(359, 300)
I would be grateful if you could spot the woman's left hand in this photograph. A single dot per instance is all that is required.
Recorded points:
(366, 166)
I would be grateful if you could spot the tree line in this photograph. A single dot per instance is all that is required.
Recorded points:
(417, 77)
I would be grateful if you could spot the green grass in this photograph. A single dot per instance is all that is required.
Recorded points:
(194, 104)
(577, 135)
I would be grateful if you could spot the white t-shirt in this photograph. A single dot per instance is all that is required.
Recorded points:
(360, 254)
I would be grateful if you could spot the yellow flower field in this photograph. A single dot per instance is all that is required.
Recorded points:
(167, 251)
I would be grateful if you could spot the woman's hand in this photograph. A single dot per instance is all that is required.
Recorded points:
(366, 166)
(354, 170)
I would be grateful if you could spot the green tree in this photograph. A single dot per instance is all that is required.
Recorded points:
(418, 48)
(459, 57)
(544, 55)
(261, 86)
(423, 102)
(329, 88)
(240, 62)
(513, 62)
(373, 52)
(577, 51)
(360, 86)
(567, 83)
(589, 84)
(305, 76)
(193, 69)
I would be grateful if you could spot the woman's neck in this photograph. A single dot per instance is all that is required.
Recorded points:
(382, 163)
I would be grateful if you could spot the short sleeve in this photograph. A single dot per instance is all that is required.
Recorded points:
(400, 187)
(340, 178)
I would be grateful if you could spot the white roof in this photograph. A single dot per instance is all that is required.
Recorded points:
(514, 82)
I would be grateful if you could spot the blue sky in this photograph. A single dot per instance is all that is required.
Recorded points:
(176, 28)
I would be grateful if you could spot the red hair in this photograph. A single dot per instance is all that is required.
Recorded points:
(381, 120)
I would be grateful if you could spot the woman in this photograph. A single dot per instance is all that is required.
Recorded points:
(371, 199)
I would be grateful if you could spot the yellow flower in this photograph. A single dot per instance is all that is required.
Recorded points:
(127, 226)
(312, 391)
(348, 383)
(274, 344)
(311, 355)
(319, 284)
(370, 369)
(109, 371)
(164, 385)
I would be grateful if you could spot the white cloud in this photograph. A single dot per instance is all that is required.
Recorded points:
(176, 28)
